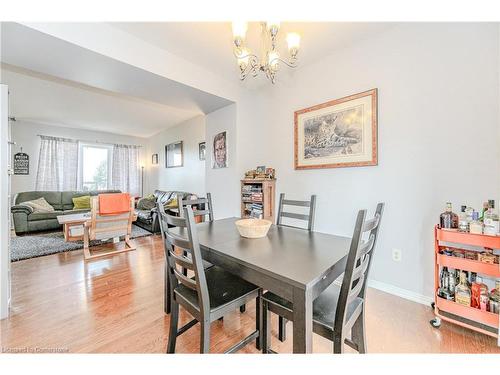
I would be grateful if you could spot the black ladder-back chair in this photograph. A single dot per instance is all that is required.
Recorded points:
(337, 311)
(204, 209)
(210, 294)
(309, 218)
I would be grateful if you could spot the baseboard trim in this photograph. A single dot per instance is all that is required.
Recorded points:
(396, 291)
(400, 292)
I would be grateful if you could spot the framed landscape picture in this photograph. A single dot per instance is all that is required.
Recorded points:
(174, 155)
(339, 133)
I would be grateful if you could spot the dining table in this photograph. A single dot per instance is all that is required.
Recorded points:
(293, 263)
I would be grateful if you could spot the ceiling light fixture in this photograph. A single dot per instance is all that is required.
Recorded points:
(269, 63)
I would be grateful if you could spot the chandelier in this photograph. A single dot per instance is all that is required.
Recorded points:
(270, 60)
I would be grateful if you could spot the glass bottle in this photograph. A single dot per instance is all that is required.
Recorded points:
(478, 289)
(462, 291)
(463, 223)
(495, 298)
(448, 219)
(475, 226)
(491, 223)
(485, 208)
(444, 289)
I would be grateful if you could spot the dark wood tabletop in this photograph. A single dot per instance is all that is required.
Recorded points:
(293, 263)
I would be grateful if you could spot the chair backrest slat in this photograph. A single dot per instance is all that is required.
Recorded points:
(191, 258)
(203, 209)
(182, 261)
(185, 280)
(358, 263)
(308, 218)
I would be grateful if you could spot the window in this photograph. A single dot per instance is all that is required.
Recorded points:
(94, 166)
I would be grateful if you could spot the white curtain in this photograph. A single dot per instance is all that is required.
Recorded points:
(125, 169)
(57, 164)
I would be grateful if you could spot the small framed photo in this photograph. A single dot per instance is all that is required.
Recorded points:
(261, 169)
(174, 155)
(202, 148)
(154, 159)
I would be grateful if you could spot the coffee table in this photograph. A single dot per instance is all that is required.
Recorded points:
(74, 225)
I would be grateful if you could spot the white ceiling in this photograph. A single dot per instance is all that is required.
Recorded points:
(43, 99)
(77, 79)
(210, 43)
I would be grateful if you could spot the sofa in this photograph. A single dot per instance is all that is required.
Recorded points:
(148, 218)
(26, 221)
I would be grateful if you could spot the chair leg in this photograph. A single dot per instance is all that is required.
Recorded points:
(358, 333)
(174, 320)
(243, 308)
(282, 328)
(205, 337)
(258, 320)
(266, 328)
(167, 297)
(338, 343)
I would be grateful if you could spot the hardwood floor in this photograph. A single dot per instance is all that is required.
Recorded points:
(115, 305)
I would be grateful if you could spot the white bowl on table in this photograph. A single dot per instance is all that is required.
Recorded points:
(253, 228)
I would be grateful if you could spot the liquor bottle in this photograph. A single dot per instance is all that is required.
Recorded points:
(475, 226)
(462, 291)
(478, 289)
(485, 208)
(448, 219)
(444, 287)
(463, 223)
(495, 298)
(491, 223)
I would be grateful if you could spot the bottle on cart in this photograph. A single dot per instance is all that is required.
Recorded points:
(491, 223)
(444, 288)
(462, 291)
(495, 298)
(475, 226)
(485, 208)
(448, 219)
(463, 223)
(478, 290)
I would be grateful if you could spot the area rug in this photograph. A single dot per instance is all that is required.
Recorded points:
(36, 245)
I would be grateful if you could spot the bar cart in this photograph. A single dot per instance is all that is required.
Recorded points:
(470, 317)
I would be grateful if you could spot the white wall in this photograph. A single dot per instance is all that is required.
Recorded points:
(25, 134)
(191, 176)
(223, 183)
(438, 137)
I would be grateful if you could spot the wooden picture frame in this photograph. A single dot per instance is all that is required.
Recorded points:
(154, 159)
(174, 155)
(339, 133)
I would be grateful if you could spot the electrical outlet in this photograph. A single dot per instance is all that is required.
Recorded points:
(396, 255)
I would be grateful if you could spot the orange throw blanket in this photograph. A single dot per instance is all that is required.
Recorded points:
(114, 204)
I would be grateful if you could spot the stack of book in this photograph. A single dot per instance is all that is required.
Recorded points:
(256, 210)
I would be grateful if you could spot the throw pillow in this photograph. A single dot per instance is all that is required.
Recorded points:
(171, 203)
(38, 205)
(146, 203)
(81, 203)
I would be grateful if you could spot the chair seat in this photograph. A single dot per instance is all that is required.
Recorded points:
(324, 307)
(223, 288)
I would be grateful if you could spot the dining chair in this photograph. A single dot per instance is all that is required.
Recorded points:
(204, 207)
(207, 296)
(337, 310)
(309, 219)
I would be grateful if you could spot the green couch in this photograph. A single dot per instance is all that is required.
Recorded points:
(25, 221)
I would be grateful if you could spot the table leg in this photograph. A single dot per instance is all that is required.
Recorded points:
(302, 321)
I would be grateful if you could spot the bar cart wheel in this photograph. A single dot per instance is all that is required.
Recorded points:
(436, 322)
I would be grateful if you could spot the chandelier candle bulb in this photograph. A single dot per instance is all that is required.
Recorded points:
(273, 59)
(293, 41)
(239, 32)
(273, 27)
